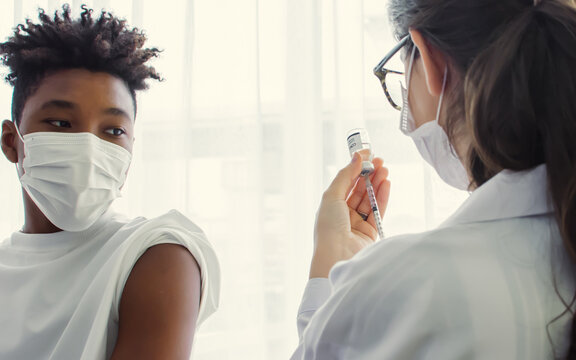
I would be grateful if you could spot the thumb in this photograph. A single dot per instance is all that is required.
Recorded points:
(345, 179)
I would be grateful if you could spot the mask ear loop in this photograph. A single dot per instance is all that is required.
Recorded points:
(410, 65)
(18, 132)
(20, 170)
(452, 150)
(404, 119)
(442, 93)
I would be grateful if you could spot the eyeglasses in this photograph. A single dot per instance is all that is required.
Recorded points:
(392, 90)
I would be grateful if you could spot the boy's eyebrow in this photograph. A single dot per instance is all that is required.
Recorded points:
(61, 104)
(117, 112)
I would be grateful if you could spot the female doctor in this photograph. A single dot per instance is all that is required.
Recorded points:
(491, 105)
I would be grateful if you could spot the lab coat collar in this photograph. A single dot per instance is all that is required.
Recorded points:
(507, 195)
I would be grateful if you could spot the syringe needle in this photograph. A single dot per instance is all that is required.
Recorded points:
(374, 205)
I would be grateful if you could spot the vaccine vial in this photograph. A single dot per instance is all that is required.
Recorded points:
(358, 141)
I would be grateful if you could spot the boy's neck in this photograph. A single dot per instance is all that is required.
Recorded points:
(35, 222)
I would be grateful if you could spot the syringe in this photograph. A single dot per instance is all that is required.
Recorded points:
(358, 142)
(374, 205)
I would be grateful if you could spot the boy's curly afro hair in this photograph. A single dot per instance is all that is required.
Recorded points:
(104, 44)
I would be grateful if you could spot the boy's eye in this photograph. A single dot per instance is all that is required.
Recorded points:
(116, 131)
(60, 123)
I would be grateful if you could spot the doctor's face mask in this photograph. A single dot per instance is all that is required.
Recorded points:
(431, 140)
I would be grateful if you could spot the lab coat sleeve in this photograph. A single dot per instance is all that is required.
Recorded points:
(315, 295)
(388, 302)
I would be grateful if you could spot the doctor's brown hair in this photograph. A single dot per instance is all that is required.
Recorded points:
(100, 44)
(513, 79)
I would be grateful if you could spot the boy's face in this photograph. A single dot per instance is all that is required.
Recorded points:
(79, 100)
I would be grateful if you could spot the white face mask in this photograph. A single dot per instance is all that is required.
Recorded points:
(432, 141)
(72, 177)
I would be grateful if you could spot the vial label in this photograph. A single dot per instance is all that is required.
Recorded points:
(358, 142)
(355, 143)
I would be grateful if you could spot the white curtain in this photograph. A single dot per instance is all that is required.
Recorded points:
(244, 135)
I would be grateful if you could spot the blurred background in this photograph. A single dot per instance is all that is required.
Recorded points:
(243, 137)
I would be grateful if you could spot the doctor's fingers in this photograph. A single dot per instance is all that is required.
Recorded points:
(359, 191)
(364, 227)
(379, 178)
(344, 180)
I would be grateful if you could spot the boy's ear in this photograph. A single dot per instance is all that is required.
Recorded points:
(9, 141)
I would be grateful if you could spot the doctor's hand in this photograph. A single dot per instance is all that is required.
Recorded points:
(340, 231)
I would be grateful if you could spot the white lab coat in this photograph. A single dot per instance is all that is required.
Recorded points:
(481, 286)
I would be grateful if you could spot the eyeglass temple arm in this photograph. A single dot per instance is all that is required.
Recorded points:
(392, 52)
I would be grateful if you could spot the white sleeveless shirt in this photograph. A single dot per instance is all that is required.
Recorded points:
(60, 292)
